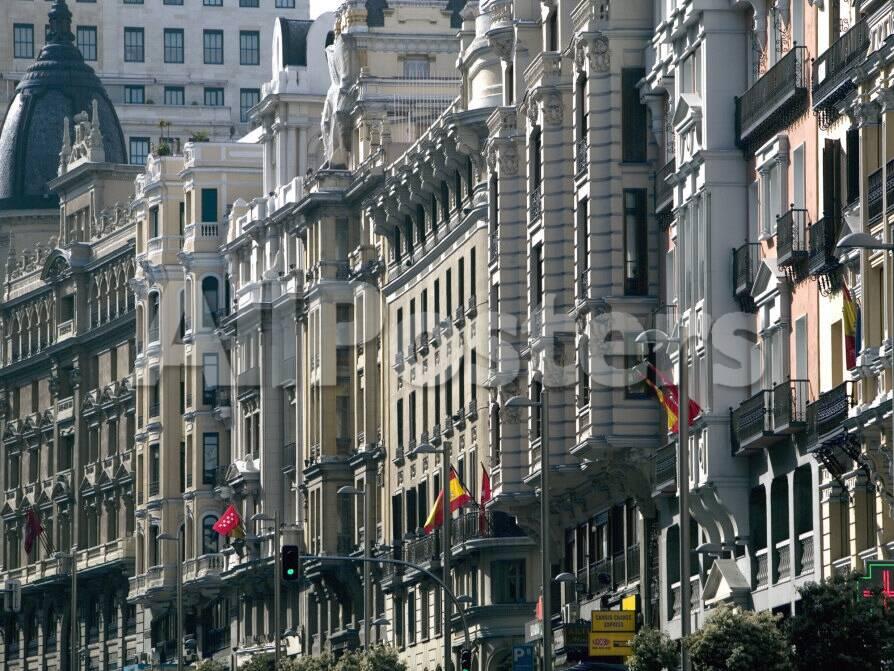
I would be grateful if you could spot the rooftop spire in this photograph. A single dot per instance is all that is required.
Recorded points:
(60, 23)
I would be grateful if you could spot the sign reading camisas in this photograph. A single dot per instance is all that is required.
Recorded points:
(610, 633)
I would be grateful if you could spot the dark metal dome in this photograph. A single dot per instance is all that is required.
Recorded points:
(58, 84)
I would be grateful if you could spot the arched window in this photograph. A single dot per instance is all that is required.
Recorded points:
(210, 538)
(210, 301)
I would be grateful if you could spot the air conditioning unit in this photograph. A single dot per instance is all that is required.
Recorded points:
(571, 612)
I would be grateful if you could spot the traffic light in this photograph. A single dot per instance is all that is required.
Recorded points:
(291, 563)
(465, 659)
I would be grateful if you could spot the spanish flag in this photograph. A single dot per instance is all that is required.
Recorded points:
(668, 397)
(850, 315)
(459, 496)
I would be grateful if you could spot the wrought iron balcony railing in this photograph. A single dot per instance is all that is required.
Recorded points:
(826, 414)
(580, 156)
(790, 406)
(665, 463)
(751, 422)
(536, 203)
(791, 237)
(874, 195)
(822, 238)
(746, 260)
(832, 68)
(664, 192)
(774, 101)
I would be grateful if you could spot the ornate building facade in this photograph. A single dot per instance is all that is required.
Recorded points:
(69, 420)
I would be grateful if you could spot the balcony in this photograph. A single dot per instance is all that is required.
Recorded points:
(832, 68)
(580, 157)
(774, 101)
(826, 414)
(746, 260)
(874, 195)
(791, 238)
(751, 423)
(822, 239)
(769, 416)
(665, 466)
(790, 406)
(205, 569)
(536, 203)
(475, 526)
(664, 192)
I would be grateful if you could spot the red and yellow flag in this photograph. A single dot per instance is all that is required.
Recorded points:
(849, 323)
(668, 397)
(459, 496)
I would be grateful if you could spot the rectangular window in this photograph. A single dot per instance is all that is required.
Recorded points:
(175, 95)
(210, 457)
(138, 150)
(633, 117)
(87, 42)
(636, 271)
(248, 98)
(249, 3)
(173, 2)
(210, 377)
(23, 40)
(508, 576)
(249, 47)
(799, 164)
(209, 205)
(285, 4)
(212, 42)
(537, 274)
(134, 95)
(173, 45)
(212, 3)
(214, 97)
(133, 2)
(134, 46)
(801, 348)
(852, 174)
(154, 468)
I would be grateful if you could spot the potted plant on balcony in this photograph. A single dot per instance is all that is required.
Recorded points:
(198, 136)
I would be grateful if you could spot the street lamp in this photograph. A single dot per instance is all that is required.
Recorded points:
(277, 586)
(348, 490)
(428, 448)
(177, 538)
(868, 242)
(546, 560)
(658, 337)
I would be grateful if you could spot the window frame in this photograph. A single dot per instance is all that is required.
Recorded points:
(130, 145)
(130, 94)
(133, 32)
(212, 93)
(172, 49)
(175, 90)
(244, 109)
(212, 51)
(87, 30)
(249, 54)
(17, 43)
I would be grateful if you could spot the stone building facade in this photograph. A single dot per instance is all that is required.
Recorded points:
(69, 421)
(172, 68)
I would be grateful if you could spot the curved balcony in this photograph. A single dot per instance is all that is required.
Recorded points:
(204, 571)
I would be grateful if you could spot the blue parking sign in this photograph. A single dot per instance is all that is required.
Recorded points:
(522, 658)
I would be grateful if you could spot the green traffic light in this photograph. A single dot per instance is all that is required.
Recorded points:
(290, 571)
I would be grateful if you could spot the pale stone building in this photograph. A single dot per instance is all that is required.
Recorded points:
(172, 68)
(68, 418)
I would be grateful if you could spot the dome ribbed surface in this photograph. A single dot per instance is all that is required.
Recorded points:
(57, 85)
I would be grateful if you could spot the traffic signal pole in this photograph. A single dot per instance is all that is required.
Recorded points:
(417, 567)
(277, 591)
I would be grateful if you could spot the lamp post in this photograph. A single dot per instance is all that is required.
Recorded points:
(868, 242)
(546, 555)
(657, 337)
(277, 587)
(428, 448)
(367, 552)
(176, 538)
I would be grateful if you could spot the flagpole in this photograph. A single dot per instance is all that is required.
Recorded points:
(445, 552)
